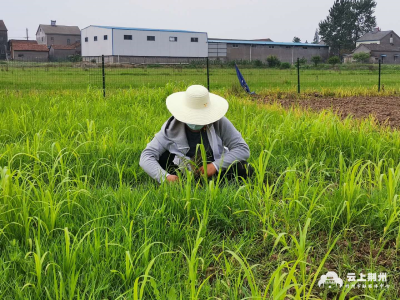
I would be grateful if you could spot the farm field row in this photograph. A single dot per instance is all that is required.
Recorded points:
(80, 219)
(56, 78)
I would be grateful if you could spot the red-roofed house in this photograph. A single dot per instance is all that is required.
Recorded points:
(28, 51)
(63, 52)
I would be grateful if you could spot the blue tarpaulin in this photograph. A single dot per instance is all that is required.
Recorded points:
(242, 81)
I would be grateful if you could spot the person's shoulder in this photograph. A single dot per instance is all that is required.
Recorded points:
(164, 127)
(172, 129)
(167, 123)
(220, 125)
(224, 121)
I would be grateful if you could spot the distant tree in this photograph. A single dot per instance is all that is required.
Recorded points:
(316, 37)
(74, 58)
(257, 63)
(316, 59)
(273, 61)
(346, 22)
(302, 61)
(296, 40)
(365, 20)
(336, 29)
(361, 57)
(285, 65)
(306, 41)
(334, 60)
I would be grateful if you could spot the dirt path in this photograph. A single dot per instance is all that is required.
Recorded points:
(385, 110)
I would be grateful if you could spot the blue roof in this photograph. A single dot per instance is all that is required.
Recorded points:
(143, 29)
(264, 43)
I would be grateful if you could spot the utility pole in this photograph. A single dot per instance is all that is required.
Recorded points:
(27, 36)
(292, 56)
(250, 52)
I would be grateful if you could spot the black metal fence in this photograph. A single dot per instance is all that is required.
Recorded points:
(101, 73)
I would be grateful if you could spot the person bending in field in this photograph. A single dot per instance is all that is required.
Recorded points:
(197, 118)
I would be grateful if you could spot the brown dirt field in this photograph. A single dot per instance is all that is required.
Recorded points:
(386, 109)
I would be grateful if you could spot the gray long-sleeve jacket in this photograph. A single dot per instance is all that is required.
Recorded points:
(226, 142)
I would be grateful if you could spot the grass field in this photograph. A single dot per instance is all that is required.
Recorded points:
(79, 76)
(80, 220)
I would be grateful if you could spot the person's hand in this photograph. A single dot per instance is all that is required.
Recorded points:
(211, 170)
(172, 178)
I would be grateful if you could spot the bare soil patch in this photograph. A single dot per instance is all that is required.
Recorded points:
(385, 109)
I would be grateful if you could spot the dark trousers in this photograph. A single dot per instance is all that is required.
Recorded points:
(238, 169)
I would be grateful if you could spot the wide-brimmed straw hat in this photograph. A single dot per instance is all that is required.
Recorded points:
(197, 106)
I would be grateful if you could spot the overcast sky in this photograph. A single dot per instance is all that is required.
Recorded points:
(279, 20)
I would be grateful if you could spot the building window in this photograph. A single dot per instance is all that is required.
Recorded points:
(271, 47)
(106, 37)
(1, 38)
(151, 38)
(235, 46)
(173, 38)
(395, 58)
(305, 47)
(95, 38)
(2, 52)
(287, 47)
(128, 37)
(194, 40)
(68, 42)
(42, 39)
(20, 55)
(253, 46)
(86, 39)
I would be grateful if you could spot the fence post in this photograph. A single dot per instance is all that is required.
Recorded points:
(379, 80)
(104, 76)
(208, 76)
(298, 75)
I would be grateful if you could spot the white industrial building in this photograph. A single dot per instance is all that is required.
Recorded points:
(139, 45)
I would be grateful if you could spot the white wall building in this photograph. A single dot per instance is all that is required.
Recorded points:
(139, 45)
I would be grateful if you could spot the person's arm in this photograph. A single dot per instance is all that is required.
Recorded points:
(232, 139)
(149, 160)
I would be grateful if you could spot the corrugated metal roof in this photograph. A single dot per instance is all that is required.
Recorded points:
(143, 29)
(253, 40)
(263, 43)
(2, 25)
(264, 40)
(374, 36)
(60, 29)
